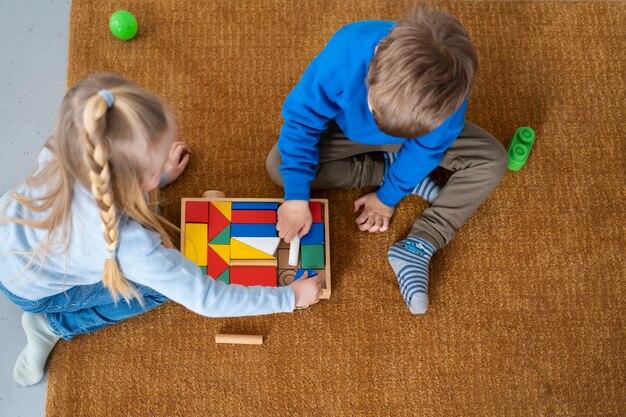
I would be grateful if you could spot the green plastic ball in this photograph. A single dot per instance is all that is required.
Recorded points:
(123, 25)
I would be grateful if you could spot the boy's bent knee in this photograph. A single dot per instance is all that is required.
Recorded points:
(498, 159)
(491, 154)
(272, 164)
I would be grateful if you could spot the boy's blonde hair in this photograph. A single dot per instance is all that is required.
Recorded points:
(91, 145)
(421, 73)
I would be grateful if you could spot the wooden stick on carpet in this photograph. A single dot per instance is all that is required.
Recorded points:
(239, 339)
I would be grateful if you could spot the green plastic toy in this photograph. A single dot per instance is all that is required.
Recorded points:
(520, 147)
(123, 25)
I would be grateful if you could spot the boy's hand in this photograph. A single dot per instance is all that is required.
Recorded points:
(177, 161)
(375, 216)
(294, 218)
(307, 290)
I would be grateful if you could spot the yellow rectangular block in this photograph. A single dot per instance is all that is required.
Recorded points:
(196, 236)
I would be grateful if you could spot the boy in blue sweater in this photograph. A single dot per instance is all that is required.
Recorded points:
(382, 105)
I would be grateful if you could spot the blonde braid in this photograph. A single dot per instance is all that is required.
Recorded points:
(98, 153)
(100, 177)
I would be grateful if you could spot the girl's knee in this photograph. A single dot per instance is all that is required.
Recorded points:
(34, 308)
(159, 298)
(155, 297)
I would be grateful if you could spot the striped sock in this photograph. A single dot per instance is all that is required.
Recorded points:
(427, 189)
(409, 259)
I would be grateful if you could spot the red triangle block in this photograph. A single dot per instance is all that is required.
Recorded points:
(217, 222)
(215, 264)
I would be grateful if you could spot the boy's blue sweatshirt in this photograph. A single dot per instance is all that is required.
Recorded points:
(333, 87)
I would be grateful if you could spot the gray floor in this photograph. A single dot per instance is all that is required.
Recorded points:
(33, 57)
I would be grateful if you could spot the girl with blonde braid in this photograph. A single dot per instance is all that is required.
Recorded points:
(78, 236)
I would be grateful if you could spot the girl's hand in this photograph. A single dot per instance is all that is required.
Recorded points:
(375, 216)
(294, 218)
(177, 161)
(307, 290)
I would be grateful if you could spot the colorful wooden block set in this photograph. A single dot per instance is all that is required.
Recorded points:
(235, 241)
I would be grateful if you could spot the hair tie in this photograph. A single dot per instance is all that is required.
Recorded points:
(107, 96)
(111, 254)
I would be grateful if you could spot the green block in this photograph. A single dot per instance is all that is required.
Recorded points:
(224, 276)
(520, 147)
(203, 268)
(222, 238)
(312, 256)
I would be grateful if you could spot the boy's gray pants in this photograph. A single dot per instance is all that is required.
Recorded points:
(477, 161)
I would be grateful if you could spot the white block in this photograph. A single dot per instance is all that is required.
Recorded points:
(267, 245)
(294, 251)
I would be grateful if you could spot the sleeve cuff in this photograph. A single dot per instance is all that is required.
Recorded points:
(290, 305)
(388, 198)
(297, 191)
(164, 179)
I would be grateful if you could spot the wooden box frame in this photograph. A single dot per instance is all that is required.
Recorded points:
(325, 291)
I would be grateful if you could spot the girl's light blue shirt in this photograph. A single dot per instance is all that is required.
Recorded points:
(142, 258)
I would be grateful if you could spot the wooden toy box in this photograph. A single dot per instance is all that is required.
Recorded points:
(234, 240)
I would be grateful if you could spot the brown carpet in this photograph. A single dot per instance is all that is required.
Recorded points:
(527, 313)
